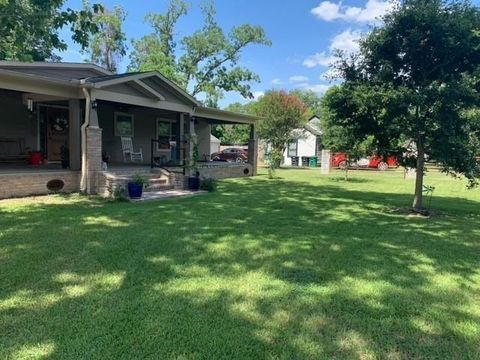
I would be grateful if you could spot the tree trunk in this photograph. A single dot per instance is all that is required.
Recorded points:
(418, 200)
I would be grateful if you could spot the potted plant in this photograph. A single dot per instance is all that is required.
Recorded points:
(194, 181)
(65, 157)
(136, 184)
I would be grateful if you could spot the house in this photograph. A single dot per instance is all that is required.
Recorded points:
(307, 145)
(215, 144)
(104, 127)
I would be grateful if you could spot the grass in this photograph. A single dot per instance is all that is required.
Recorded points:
(305, 266)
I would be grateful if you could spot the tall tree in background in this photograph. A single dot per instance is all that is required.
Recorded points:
(209, 58)
(107, 47)
(29, 29)
(417, 78)
(311, 99)
(281, 114)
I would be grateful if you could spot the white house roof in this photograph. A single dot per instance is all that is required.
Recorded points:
(313, 126)
(214, 139)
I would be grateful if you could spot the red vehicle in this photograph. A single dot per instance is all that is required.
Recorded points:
(374, 162)
(231, 155)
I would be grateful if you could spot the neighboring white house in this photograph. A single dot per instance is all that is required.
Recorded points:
(307, 145)
(214, 144)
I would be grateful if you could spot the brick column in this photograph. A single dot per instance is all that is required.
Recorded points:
(253, 150)
(326, 161)
(94, 157)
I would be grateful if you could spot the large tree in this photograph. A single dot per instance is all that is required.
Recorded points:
(29, 29)
(416, 79)
(311, 99)
(108, 46)
(207, 61)
(281, 114)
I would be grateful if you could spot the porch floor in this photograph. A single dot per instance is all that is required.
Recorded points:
(28, 169)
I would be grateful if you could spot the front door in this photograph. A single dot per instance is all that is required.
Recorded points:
(57, 132)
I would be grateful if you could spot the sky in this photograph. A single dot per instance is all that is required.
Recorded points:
(303, 33)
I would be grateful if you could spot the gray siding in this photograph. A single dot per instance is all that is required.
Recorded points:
(15, 119)
(144, 131)
(203, 131)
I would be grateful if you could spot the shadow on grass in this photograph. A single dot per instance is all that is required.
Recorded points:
(260, 269)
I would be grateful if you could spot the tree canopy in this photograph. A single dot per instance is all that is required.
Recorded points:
(29, 29)
(108, 46)
(416, 78)
(311, 99)
(206, 61)
(281, 114)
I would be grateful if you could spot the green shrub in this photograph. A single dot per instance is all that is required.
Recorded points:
(120, 194)
(208, 185)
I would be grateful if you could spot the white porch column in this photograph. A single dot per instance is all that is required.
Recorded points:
(253, 149)
(180, 136)
(190, 142)
(74, 134)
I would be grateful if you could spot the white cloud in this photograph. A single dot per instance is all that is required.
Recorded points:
(372, 11)
(327, 11)
(318, 59)
(318, 88)
(298, 79)
(258, 94)
(276, 81)
(347, 41)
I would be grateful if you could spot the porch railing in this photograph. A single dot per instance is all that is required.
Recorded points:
(162, 160)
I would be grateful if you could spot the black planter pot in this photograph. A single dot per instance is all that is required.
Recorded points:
(135, 190)
(193, 183)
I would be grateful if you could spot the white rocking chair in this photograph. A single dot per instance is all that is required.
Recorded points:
(127, 148)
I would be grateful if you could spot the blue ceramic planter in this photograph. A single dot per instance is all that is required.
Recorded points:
(135, 190)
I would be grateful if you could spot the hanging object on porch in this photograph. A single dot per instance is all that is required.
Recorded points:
(30, 104)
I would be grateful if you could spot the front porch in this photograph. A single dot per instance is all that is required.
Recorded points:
(70, 135)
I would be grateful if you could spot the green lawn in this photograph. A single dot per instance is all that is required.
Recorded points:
(302, 267)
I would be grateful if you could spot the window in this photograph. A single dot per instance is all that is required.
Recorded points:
(123, 124)
(165, 134)
(292, 149)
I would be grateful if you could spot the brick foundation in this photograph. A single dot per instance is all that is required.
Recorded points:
(35, 183)
(227, 171)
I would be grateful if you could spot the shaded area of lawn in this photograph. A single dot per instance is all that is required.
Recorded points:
(299, 267)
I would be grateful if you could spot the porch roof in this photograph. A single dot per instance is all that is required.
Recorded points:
(147, 89)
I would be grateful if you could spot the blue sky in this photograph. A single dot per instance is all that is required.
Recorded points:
(303, 33)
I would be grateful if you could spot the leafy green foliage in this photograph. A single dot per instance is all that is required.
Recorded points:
(108, 46)
(236, 134)
(416, 79)
(139, 179)
(209, 184)
(311, 99)
(281, 114)
(29, 29)
(208, 60)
